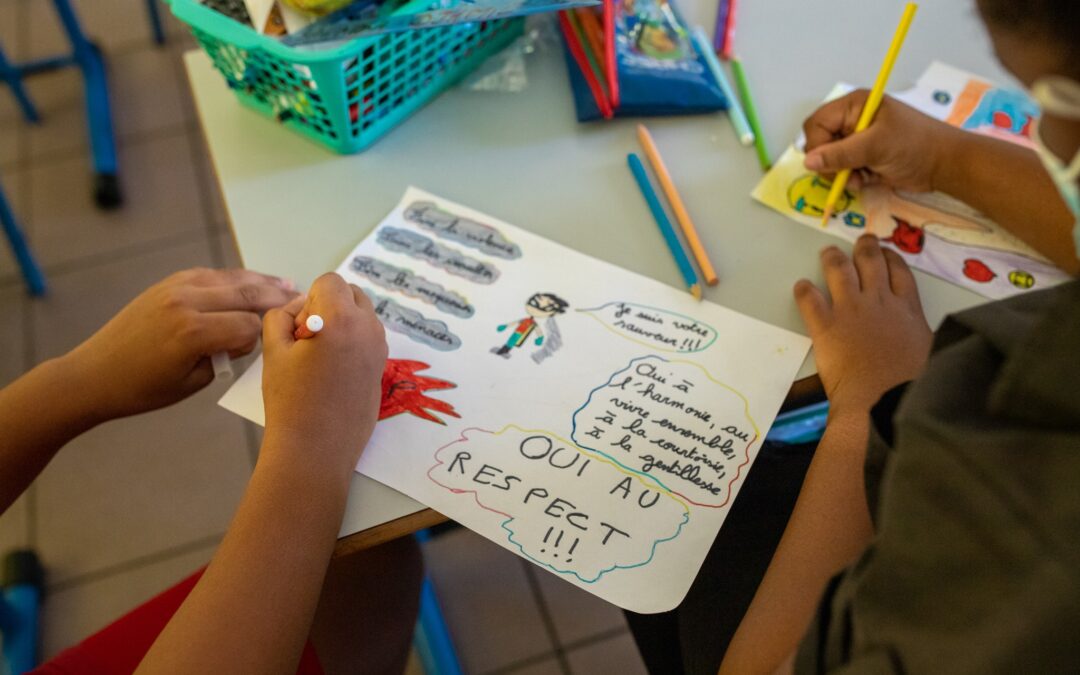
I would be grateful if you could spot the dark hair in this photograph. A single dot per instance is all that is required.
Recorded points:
(560, 305)
(1058, 20)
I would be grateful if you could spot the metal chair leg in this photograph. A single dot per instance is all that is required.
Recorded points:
(32, 274)
(155, 21)
(13, 77)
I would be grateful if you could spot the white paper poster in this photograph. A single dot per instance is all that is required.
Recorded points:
(591, 420)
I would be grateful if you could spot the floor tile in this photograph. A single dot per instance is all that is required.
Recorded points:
(12, 335)
(615, 655)
(577, 614)
(137, 486)
(71, 614)
(486, 601)
(147, 93)
(211, 188)
(11, 120)
(15, 526)
(58, 96)
(9, 29)
(13, 182)
(111, 24)
(548, 666)
(161, 199)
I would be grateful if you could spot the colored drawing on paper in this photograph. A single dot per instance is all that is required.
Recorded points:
(933, 232)
(674, 422)
(445, 258)
(464, 231)
(539, 485)
(403, 392)
(809, 193)
(431, 332)
(538, 326)
(1002, 113)
(406, 282)
(653, 327)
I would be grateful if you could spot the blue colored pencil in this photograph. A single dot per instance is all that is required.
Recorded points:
(638, 169)
(735, 111)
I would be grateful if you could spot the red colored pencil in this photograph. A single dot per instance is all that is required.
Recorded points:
(729, 32)
(609, 52)
(582, 61)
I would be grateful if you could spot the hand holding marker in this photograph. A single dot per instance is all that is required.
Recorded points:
(309, 328)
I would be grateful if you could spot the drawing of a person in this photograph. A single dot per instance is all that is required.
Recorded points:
(539, 307)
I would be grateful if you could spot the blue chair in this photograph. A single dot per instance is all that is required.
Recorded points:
(87, 57)
(22, 584)
(35, 279)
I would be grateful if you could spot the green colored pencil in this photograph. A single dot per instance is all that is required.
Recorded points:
(594, 63)
(751, 114)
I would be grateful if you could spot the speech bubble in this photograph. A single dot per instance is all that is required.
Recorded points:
(673, 422)
(655, 328)
(405, 281)
(465, 231)
(445, 258)
(431, 332)
(571, 511)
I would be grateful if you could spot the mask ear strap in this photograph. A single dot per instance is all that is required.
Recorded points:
(1058, 95)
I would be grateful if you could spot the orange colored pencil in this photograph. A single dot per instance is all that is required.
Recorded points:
(681, 215)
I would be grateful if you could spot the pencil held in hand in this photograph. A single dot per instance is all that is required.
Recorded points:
(309, 328)
(873, 102)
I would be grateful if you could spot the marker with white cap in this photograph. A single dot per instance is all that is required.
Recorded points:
(311, 327)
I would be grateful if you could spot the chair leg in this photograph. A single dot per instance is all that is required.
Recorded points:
(13, 77)
(155, 21)
(32, 274)
(98, 113)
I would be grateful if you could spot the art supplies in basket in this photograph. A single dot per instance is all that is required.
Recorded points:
(348, 97)
(656, 68)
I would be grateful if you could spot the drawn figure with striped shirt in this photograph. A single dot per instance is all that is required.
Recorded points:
(539, 326)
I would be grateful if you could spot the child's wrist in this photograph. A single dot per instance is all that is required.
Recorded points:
(296, 450)
(82, 396)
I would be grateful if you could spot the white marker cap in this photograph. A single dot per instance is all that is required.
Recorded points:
(314, 323)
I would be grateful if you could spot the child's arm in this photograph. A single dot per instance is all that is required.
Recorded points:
(152, 354)
(253, 608)
(908, 150)
(871, 337)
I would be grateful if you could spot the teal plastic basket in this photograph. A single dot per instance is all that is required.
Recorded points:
(347, 97)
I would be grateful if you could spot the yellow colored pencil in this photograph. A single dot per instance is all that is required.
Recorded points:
(687, 225)
(873, 102)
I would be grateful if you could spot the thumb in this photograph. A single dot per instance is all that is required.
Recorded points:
(853, 152)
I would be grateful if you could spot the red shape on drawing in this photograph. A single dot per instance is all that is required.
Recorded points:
(977, 271)
(907, 238)
(1002, 120)
(1026, 130)
(403, 391)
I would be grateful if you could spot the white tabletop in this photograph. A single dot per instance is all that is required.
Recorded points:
(298, 209)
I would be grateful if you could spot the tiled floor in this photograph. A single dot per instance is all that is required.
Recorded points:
(133, 506)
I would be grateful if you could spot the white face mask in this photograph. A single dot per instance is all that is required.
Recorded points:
(1060, 96)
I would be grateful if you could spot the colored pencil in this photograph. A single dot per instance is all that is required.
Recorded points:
(609, 52)
(873, 102)
(722, 9)
(590, 55)
(590, 25)
(681, 215)
(735, 111)
(729, 32)
(751, 114)
(582, 61)
(687, 270)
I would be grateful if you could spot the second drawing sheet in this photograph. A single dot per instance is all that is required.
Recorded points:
(591, 420)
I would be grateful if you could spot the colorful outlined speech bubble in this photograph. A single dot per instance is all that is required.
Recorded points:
(674, 422)
(655, 328)
(571, 511)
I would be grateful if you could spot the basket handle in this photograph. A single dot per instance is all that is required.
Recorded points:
(215, 23)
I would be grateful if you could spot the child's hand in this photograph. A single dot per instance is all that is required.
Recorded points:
(156, 351)
(323, 392)
(902, 147)
(873, 335)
